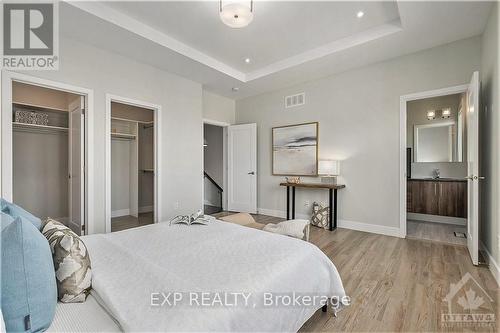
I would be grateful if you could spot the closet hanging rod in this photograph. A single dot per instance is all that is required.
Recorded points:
(132, 120)
(123, 136)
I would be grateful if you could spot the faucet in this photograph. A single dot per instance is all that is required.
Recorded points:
(437, 173)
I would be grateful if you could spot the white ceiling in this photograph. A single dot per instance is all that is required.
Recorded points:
(288, 42)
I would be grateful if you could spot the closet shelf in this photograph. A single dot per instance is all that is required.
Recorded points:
(35, 127)
(37, 107)
(123, 136)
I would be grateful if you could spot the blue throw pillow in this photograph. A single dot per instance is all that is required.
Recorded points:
(29, 291)
(16, 211)
(5, 220)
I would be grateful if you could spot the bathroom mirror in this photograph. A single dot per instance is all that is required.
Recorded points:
(435, 142)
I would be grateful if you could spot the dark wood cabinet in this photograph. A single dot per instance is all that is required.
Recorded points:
(437, 197)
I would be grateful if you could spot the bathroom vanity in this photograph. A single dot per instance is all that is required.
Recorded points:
(441, 196)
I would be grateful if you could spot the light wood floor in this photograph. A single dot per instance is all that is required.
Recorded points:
(127, 222)
(396, 285)
(438, 232)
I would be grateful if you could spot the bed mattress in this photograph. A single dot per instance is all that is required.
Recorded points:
(134, 270)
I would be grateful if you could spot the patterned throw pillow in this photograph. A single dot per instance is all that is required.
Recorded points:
(71, 262)
(319, 216)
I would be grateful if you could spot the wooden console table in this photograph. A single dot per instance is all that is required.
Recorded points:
(332, 189)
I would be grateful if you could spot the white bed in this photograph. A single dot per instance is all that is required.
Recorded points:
(130, 265)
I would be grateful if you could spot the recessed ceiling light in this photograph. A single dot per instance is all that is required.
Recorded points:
(360, 14)
(247, 60)
(235, 89)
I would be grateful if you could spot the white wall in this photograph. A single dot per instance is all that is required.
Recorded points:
(490, 147)
(218, 108)
(40, 171)
(181, 101)
(358, 112)
(120, 177)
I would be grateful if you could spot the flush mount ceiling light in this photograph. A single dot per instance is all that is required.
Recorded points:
(247, 60)
(236, 14)
(360, 14)
(446, 113)
(431, 114)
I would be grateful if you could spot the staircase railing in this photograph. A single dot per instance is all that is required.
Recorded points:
(217, 186)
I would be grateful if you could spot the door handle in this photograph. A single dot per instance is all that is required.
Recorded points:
(251, 173)
(475, 177)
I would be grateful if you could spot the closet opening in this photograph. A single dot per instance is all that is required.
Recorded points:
(48, 153)
(132, 166)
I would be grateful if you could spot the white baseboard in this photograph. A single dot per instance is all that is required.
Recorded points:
(146, 209)
(371, 228)
(120, 212)
(493, 265)
(436, 219)
(359, 226)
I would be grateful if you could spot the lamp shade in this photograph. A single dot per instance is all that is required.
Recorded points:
(329, 168)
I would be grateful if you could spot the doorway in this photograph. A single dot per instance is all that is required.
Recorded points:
(438, 166)
(437, 169)
(131, 164)
(214, 166)
(45, 138)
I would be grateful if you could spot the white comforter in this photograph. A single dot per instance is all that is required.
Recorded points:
(129, 266)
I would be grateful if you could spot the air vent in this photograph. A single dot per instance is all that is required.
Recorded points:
(295, 100)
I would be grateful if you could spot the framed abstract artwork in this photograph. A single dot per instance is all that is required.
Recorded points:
(295, 150)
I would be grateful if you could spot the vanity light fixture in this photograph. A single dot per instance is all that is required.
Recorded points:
(236, 14)
(431, 114)
(446, 113)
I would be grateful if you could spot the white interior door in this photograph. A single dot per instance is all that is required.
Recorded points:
(76, 166)
(473, 168)
(242, 168)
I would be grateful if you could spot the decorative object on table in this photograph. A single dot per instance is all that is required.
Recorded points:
(329, 170)
(195, 218)
(295, 150)
(293, 228)
(319, 216)
(293, 180)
